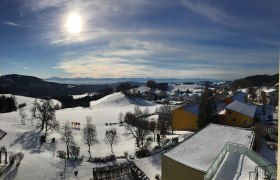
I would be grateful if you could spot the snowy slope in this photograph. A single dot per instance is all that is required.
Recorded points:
(40, 161)
(119, 100)
(28, 100)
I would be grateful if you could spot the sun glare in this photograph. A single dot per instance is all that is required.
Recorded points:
(74, 23)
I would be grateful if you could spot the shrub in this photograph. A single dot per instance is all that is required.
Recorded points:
(176, 140)
(157, 147)
(21, 105)
(103, 159)
(61, 154)
(157, 177)
(20, 156)
(42, 139)
(125, 154)
(150, 139)
(12, 158)
(142, 153)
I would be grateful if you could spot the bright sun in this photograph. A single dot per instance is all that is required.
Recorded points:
(74, 23)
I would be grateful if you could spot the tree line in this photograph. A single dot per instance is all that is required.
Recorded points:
(7, 104)
(255, 81)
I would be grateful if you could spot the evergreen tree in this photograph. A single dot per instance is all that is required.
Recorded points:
(207, 108)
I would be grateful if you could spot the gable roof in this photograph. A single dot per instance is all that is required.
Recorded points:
(194, 107)
(200, 150)
(243, 108)
(2, 134)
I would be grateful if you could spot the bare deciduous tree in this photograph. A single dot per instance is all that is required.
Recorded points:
(67, 136)
(137, 125)
(111, 137)
(44, 112)
(165, 118)
(89, 135)
(22, 115)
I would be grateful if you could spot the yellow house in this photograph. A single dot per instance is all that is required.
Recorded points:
(185, 117)
(239, 114)
(193, 157)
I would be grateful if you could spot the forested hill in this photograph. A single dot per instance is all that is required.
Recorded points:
(257, 80)
(36, 87)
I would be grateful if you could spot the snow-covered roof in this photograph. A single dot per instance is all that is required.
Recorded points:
(2, 134)
(243, 108)
(239, 96)
(269, 90)
(193, 108)
(201, 149)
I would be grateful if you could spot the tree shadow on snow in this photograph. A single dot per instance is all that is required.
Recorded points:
(12, 174)
(30, 140)
(69, 169)
(4, 170)
(155, 161)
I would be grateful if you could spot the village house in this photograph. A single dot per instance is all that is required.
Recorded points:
(238, 114)
(185, 117)
(215, 152)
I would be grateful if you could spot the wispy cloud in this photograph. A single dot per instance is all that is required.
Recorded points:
(131, 58)
(10, 23)
(206, 9)
(14, 24)
(143, 38)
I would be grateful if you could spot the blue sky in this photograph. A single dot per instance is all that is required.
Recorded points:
(140, 38)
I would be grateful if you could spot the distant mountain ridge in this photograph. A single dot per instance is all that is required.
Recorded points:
(118, 80)
(36, 87)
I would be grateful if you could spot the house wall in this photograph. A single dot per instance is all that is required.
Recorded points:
(173, 170)
(183, 120)
(241, 120)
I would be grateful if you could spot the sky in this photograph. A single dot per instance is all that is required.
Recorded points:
(139, 38)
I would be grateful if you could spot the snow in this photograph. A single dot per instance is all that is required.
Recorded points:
(119, 100)
(267, 153)
(28, 100)
(194, 107)
(150, 165)
(240, 95)
(235, 166)
(185, 87)
(40, 161)
(243, 108)
(200, 150)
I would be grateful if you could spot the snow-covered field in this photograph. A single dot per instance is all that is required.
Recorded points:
(40, 161)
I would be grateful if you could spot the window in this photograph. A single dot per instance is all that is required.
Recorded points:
(234, 119)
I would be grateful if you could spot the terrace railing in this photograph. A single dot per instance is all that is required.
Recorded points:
(240, 149)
